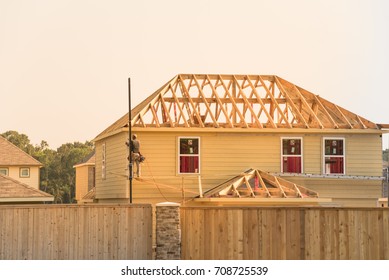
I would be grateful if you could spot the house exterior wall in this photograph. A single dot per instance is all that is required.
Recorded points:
(81, 181)
(32, 180)
(224, 154)
(344, 192)
(114, 186)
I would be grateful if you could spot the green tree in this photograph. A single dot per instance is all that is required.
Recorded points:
(61, 170)
(385, 155)
(19, 140)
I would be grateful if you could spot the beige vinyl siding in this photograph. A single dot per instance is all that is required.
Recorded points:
(81, 181)
(114, 186)
(231, 153)
(364, 155)
(312, 154)
(222, 156)
(345, 192)
(32, 181)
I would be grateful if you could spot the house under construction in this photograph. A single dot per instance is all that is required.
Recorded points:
(200, 131)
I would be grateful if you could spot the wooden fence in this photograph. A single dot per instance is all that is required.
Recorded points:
(71, 232)
(285, 233)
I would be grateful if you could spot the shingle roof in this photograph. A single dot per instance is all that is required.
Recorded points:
(90, 195)
(13, 189)
(90, 159)
(238, 101)
(10, 155)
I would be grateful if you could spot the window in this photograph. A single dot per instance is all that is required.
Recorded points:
(103, 167)
(334, 159)
(24, 172)
(291, 155)
(4, 171)
(189, 155)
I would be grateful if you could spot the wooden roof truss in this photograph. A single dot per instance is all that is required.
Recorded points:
(256, 183)
(245, 101)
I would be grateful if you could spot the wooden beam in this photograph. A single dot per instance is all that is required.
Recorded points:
(219, 102)
(294, 111)
(248, 186)
(237, 100)
(361, 122)
(179, 106)
(262, 183)
(233, 104)
(142, 121)
(271, 95)
(166, 111)
(155, 116)
(206, 103)
(343, 116)
(335, 124)
(312, 113)
(248, 104)
(236, 191)
(297, 190)
(197, 114)
(259, 100)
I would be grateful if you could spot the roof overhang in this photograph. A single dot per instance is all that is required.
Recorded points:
(26, 199)
(84, 164)
(256, 130)
(299, 131)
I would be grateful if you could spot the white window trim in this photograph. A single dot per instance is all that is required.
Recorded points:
(179, 154)
(20, 172)
(324, 155)
(302, 153)
(6, 170)
(103, 162)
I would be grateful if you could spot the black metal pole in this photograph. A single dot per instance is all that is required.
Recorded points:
(129, 138)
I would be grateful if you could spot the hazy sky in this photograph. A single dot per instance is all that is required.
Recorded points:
(64, 64)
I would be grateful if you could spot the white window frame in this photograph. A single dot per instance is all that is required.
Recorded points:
(324, 155)
(5, 169)
(21, 169)
(195, 155)
(302, 153)
(103, 162)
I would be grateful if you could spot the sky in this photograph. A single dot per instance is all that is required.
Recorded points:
(64, 65)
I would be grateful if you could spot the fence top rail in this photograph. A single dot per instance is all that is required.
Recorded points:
(253, 207)
(96, 205)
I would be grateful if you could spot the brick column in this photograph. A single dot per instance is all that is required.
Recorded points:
(168, 231)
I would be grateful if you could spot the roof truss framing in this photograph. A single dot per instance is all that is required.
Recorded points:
(256, 183)
(245, 101)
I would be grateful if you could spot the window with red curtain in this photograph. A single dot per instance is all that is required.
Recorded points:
(334, 156)
(291, 155)
(189, 155)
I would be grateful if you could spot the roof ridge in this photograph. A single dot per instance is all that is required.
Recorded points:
(20, 150)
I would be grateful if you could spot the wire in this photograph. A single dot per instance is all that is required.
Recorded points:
(155, 183)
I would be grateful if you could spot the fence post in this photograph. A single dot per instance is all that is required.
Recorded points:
(168, 231)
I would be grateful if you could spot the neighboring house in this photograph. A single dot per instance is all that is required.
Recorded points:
(85, 176)
(198, 131)
(20, 175)
(18, 165)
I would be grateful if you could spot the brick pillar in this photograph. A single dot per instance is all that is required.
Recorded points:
(168, 231)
